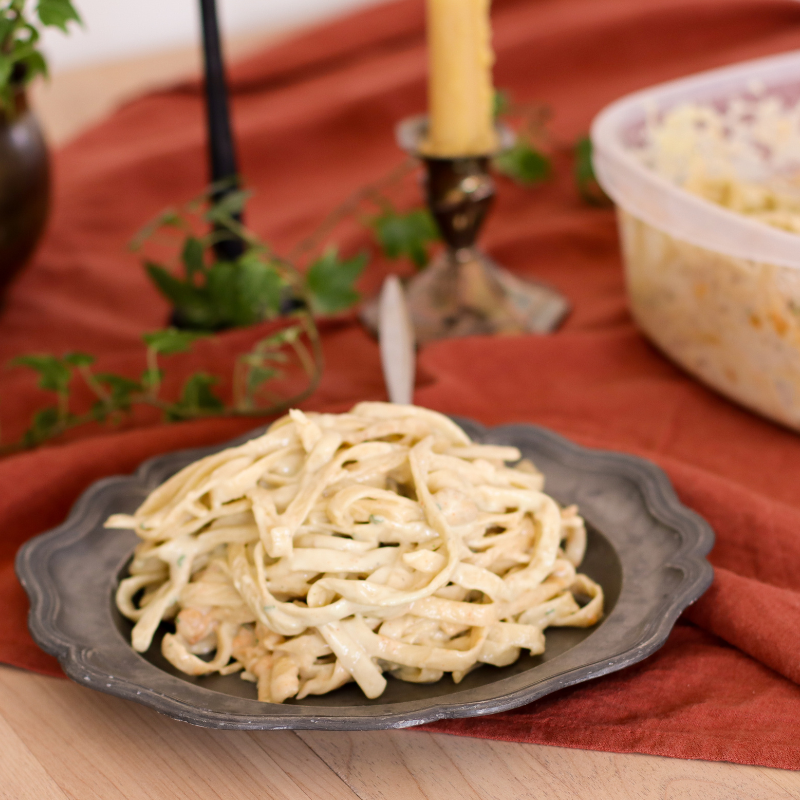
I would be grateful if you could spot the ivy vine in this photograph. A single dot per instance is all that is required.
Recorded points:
(21, 60)
(210, 293)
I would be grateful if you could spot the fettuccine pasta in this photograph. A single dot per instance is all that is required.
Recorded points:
(337, 548)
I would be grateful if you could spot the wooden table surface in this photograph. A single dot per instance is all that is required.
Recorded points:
(59, 741)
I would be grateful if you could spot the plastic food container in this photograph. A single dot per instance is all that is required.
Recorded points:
(717, 291)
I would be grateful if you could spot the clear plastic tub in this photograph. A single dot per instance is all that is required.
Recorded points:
(716, 291)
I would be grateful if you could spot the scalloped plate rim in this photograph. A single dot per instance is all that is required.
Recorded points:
(657, 494)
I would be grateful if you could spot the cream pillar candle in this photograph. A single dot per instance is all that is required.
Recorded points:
(461, 95)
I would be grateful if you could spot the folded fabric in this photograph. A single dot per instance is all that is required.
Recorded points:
(314, 119)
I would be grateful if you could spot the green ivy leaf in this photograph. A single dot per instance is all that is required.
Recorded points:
(7, 26)
(259, 285)
(585, 178)
(57, 13)
(523, 164)
(197, 395)
(34, 64)
(258, 375)
(43, 426)
(120, 387)
(330, 281)
(6, 97)
(228, 206)
(167, 219)
(193, 256)
(222, 291)
(584, 169)
(280, 338)
(24, 47)
(6, 67)
(171, 340)
(171, 219)
(54, 374)
(79, 359)
(190, 301)
(152, 377)
(406, 234)
(245, 291)
(501, 102)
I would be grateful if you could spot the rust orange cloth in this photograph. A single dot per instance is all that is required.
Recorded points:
(314, 119)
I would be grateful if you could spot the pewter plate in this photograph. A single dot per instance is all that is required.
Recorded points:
(645, 549)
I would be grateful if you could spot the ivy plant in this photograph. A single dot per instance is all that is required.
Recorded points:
(585, 179)
(405, 235)
(295, 349)
(526, 161)
(21, 60)
(209, 292)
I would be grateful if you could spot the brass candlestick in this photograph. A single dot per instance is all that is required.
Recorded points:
(463, 292)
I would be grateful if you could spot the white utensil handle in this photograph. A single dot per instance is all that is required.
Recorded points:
(396, 334)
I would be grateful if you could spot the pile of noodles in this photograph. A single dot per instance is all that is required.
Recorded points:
(337, 548)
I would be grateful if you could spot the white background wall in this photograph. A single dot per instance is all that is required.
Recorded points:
(117, 29)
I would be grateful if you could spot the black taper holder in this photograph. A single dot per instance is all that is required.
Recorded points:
(222, 154)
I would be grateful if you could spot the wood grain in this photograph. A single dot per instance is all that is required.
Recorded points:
(60, 741)
(421, 766)
(97, 747)
(23, 777)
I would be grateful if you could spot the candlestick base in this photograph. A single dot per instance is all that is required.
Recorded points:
(463, 292)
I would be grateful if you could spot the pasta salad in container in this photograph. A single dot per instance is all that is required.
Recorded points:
(705, 174)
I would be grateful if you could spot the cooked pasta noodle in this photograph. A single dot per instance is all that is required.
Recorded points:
(337, 548)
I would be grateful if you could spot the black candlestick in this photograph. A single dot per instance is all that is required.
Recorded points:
(222, 153)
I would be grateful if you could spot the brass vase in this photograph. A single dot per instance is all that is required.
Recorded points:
(24, 188)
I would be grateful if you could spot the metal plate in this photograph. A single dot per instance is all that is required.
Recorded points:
(645, 549)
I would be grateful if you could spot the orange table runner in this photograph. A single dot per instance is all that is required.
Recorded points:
(314, 119)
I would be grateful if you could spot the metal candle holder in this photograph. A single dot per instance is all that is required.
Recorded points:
(463, 292)
(221, 149)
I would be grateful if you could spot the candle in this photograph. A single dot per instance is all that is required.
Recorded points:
(461, 118)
